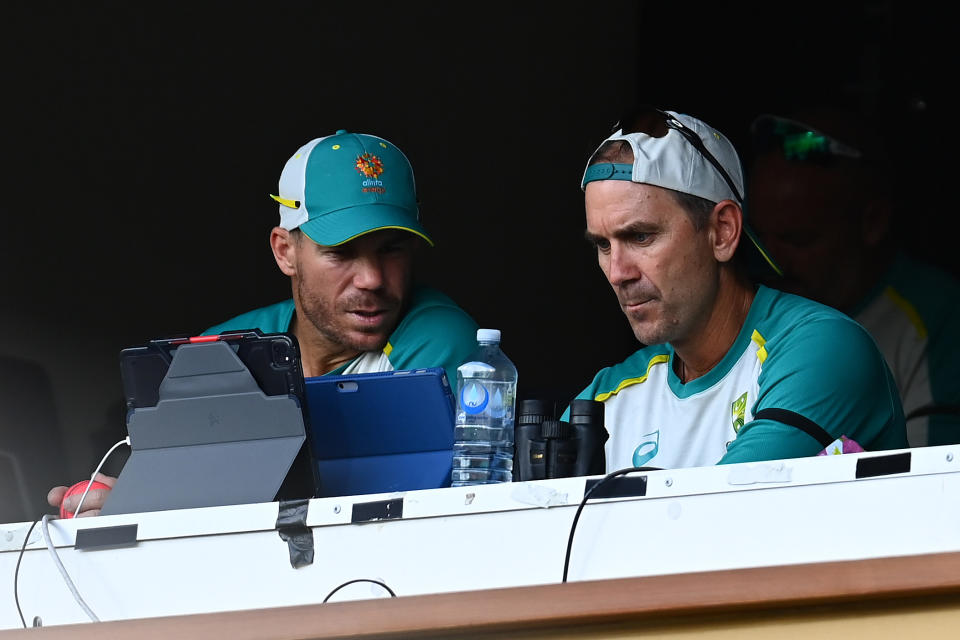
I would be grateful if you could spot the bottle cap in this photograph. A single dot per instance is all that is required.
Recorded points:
(488, 335)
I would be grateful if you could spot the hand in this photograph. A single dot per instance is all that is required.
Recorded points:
(91, 504)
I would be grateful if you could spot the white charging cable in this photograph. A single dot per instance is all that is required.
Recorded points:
(125, 441)
(63, 571)
(44, 527)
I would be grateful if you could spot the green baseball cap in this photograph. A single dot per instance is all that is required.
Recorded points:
(339, 187)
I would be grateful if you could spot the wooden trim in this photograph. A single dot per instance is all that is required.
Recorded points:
(881, 584)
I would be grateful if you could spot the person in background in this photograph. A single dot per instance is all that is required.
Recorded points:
(349, 227)
(730, 371)
(820, 190)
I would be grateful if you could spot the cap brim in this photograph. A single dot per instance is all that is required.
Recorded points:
(338, 227)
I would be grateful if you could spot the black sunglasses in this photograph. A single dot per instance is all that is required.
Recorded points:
(656, 123)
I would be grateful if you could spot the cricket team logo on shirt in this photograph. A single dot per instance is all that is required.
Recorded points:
(739, 411)
(371, 167)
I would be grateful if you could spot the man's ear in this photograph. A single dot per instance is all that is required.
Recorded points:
(284, 246)
(727, 222)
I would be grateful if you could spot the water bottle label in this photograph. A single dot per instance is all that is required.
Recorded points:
(474, 398)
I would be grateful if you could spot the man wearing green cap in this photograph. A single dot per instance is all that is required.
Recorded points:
(349, 225)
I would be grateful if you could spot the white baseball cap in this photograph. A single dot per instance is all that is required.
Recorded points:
(677, 151)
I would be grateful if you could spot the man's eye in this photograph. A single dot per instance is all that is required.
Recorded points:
(339, 254)
(602, 246)
(640, 237)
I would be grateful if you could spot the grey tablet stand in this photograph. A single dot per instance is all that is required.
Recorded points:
(214, 438)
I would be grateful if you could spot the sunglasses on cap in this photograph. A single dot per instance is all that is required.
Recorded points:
(656, 123)
(797, 141)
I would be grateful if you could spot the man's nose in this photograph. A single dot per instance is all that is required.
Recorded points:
(368, 272)
(620, 268)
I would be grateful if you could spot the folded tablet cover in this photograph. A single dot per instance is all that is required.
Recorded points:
(208, 435)
(381, 432)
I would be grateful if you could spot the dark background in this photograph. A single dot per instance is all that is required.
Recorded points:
(141, 142)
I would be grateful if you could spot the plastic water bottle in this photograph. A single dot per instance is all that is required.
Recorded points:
(486, 400)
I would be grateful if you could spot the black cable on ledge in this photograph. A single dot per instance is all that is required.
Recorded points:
(586, 496)
(392, 594)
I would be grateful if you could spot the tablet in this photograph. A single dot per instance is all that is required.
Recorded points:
(213, 420)
(381, 432)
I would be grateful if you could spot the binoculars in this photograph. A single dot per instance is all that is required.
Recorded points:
(545, 447)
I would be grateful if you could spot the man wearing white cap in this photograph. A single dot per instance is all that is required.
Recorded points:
(349, 224)
(730, 371)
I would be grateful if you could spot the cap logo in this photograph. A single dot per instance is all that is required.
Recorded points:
(371, 167)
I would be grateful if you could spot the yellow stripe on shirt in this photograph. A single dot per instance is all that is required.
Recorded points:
(632, 381)
(909, 310)
(760, 342)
